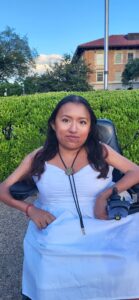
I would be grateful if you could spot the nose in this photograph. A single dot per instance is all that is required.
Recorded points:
(73, 127)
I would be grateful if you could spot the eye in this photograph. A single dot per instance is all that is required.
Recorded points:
(83, 122)
(65, 120)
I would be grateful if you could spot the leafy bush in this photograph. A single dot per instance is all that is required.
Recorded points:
(23, 122)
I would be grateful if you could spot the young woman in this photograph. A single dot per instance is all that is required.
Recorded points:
(71, 249)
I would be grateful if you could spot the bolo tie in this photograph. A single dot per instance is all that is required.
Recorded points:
(70, 173)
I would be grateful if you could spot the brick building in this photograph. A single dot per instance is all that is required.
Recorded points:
(122, 49)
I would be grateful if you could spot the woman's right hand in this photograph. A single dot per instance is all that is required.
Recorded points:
(40, 217)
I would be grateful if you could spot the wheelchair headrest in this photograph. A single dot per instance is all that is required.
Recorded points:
(107, 133)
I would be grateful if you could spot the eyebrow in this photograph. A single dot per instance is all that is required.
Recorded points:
(71, 117)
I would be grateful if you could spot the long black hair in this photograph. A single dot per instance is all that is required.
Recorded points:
(96, 152)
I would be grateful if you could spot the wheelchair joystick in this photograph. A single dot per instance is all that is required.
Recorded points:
(117, 206)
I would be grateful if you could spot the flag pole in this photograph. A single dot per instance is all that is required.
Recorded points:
(106, 26)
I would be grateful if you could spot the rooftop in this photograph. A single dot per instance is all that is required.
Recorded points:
(130, 40)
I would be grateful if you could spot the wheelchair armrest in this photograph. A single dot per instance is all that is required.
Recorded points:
(23, 189)
(133, 191)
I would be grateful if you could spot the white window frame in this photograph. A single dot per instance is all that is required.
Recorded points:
(100, 59)
(97, 74)
(116, 62)
(128, 60)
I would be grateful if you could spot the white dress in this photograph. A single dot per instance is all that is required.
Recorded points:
(60, 263)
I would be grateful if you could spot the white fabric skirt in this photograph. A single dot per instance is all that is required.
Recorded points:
(62, 264)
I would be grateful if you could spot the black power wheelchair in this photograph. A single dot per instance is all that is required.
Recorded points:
(117, 206)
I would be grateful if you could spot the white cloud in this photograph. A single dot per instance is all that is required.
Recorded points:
(45, 62)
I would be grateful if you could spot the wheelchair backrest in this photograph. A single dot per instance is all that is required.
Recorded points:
(107, 134)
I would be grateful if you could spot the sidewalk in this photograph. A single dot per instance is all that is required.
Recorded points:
(13, 225)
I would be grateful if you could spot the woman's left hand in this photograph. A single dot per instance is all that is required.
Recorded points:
(100, 208)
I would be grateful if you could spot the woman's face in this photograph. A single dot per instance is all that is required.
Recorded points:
(72, 125)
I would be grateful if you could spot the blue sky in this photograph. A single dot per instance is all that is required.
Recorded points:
(59, 26)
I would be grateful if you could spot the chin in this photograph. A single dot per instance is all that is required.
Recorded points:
(73, 146)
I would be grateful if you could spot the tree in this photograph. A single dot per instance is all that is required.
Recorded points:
(10, 89)
(68, 75)
(131, 72)
(16, 57)
(31, 84)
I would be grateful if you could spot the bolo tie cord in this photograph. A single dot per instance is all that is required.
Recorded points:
(69, 173)
(75, 197)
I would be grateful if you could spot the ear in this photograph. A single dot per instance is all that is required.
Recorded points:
(53, 125)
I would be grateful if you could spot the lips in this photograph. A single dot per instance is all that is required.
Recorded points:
(72, 138)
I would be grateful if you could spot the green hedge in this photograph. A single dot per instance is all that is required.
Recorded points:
(27, 117)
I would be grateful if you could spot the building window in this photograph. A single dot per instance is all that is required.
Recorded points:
(118, 76)
(99, 59)
(130, 57)
(99, 76)
(118, 58)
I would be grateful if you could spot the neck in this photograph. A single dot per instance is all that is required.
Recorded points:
(68, 152)
(69, 170)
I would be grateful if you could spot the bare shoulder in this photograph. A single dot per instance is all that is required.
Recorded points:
(22, 170)
(34, 152)
(118, 161)
(28, 159)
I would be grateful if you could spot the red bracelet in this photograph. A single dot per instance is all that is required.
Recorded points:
(27, 208)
